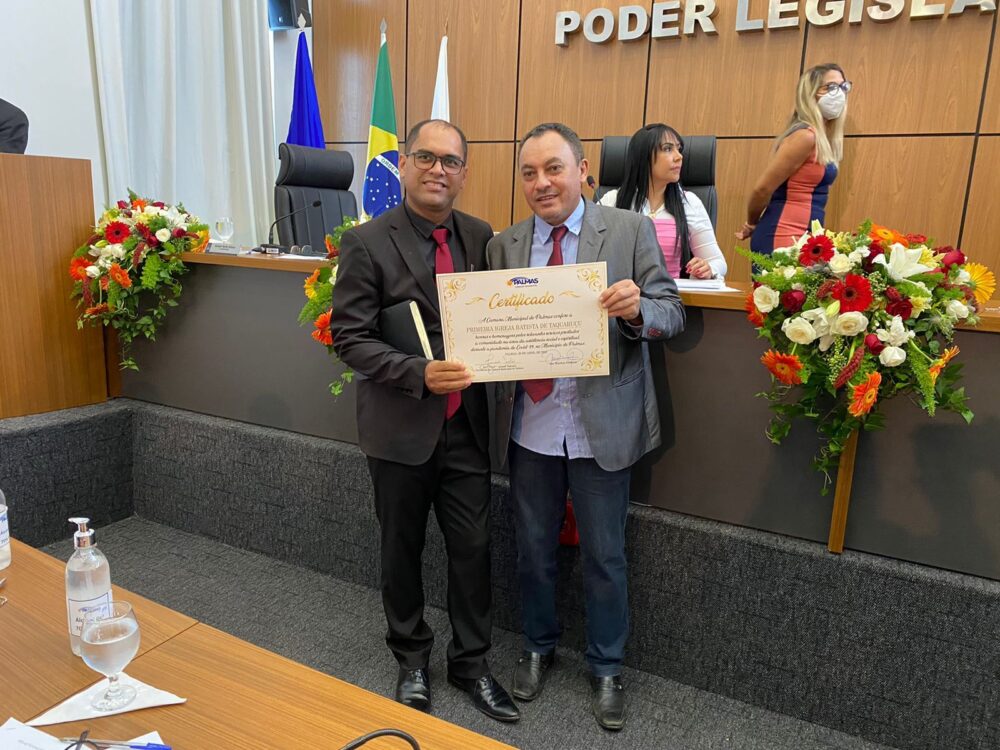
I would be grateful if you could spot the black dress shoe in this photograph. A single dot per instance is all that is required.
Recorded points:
(488, 696)
(413, 688)
(609, 702)
(530, 673)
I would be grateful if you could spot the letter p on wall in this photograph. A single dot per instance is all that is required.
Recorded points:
(567, 22)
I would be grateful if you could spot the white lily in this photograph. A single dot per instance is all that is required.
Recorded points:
(903, 263)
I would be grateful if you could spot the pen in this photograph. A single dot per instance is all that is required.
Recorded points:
(112, 743)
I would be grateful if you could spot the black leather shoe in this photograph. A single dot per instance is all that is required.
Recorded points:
(488, 696)
(413, 689)
(609, 702)
(529, 674)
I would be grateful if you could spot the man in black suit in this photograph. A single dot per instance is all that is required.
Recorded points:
(421, 423)
(13, 129)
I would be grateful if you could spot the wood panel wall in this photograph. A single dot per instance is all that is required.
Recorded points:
(923, 123)
(46, 211)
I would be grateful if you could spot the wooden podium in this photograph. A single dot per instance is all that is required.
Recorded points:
(46, 212)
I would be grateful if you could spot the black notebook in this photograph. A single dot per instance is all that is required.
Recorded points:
(402, 328)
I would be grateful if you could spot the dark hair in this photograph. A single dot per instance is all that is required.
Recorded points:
(642, 150)
(415, 133)
(567, 133)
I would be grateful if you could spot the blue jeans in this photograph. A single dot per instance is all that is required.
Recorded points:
(538, 485)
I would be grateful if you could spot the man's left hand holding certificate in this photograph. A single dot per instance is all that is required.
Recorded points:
(526, 323)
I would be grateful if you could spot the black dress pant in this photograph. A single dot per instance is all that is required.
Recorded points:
(456, 482)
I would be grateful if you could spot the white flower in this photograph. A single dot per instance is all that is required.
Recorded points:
(963, 277)
(957, 309)
(892, 356)
(840, 264)
(163, 234)
(859, 254)
(789, 271)
(825, 342)
(784, 251)
(765, 298)
(151, 210)
(849, 324)
(896, 334)
(799, 287)
(816, 228)
(903, 263)
(818, 319)
(799, 330)
(93, 271)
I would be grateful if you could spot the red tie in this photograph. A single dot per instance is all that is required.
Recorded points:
(444, 264)
(538, 390)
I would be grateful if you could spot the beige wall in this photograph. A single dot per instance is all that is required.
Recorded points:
(923, 126)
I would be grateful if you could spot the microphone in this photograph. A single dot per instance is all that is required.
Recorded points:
(591, 183)
(270, 247)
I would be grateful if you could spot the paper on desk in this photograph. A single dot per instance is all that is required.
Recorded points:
(17, 736)
(703, 285)
(78, 707)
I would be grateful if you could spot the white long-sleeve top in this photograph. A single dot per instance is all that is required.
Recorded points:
(700, 231)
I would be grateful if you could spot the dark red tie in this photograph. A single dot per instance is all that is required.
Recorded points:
(538, 390)
(444, 264)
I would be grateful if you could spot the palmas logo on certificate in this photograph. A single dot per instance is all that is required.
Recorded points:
(526, 323)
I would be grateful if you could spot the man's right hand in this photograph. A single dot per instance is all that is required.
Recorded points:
(446, 377)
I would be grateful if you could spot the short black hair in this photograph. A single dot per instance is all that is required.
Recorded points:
(415, 133)
(568, 134)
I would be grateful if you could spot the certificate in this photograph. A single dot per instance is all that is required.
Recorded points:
(526, 323)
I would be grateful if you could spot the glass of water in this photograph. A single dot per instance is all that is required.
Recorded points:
(224, 228)
(109, 641)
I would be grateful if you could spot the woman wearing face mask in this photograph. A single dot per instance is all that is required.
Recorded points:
(652, 187)
(793, 189)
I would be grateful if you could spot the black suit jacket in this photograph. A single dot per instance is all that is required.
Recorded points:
(13, 129)
(381, 264)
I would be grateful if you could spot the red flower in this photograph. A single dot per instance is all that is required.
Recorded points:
(915, 239)
(951, 256)
(854, 293)
(120, 276)
(816, 250)
(323, 334)
(874, 250)
(96, 309)
(178, 232)
(874, 344)
(104, 282)
(898, 304)
(122, 205)
(147, 234)
(116, 231)
(793, 300)
(78, 268)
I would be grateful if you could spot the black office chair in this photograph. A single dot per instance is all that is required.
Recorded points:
(305, 176)
(697, 173)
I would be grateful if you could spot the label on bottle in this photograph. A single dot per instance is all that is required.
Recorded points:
(4, 531)
(78, 609)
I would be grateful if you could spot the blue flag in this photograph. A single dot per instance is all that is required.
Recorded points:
(305, 128)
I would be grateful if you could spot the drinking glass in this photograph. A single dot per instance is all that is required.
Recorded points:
(224, 228)
(109, 640)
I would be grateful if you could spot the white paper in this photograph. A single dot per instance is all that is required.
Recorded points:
(17, 736)
(703, 285)
(78, 707)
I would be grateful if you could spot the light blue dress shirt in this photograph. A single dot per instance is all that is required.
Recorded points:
(553, 426)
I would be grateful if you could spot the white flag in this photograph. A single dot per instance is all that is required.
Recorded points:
(441, 108)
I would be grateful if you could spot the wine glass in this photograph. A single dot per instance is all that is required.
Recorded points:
(109, 640)
(224, 228)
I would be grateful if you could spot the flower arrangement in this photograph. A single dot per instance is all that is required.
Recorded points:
(855, 318)
(126, 274)
(318, 308)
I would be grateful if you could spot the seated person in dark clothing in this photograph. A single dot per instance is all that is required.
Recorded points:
(13, 129)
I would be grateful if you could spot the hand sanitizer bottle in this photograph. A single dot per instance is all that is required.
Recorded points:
(4, 534)
(88, 580)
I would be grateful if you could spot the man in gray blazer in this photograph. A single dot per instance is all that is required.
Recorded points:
(422, 425)
(580, 434)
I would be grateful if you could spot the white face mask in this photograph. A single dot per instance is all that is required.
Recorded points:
(832, 104)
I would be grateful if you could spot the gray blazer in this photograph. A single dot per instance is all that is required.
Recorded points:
(619, 410)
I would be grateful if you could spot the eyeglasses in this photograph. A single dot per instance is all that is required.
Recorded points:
(829, 88)
(425, 160)
(670, 147)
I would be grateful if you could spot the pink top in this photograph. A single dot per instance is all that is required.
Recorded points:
(666, 234)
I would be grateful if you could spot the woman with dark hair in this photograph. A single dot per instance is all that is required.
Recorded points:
(792, 191)
(652, 187)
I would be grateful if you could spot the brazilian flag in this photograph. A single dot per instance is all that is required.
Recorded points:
(381, 187)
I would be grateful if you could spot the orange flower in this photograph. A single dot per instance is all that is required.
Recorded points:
(323, 334)
(78, 268)
(120, 276)
(310, 285)
(785, 367)
(887, 236)
(947, 356)
(199, 244)
(754, 315)
(96, 309)
(865, 395)
(139, 204)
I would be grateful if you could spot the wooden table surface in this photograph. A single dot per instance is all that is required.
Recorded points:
(238, 695)
(34, 634)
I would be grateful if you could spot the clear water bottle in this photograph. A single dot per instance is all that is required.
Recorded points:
(4, 534)
(88, 580)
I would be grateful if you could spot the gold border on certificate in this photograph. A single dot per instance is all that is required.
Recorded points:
(526, 323)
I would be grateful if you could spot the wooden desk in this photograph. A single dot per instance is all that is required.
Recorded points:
(241, 696)
(34, 639)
